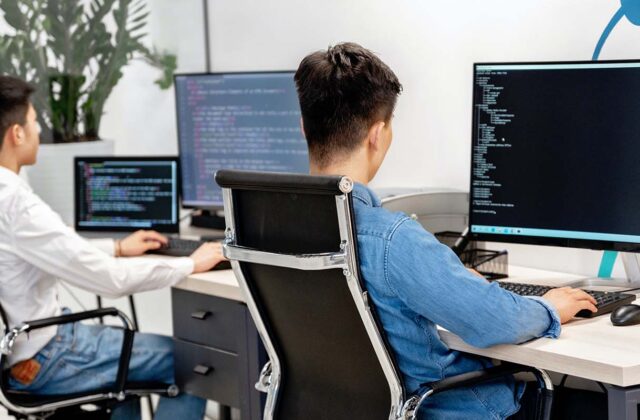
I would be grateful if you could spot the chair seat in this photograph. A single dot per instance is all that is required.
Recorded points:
(27, 399)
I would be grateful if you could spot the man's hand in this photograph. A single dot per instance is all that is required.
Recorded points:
(140, 242)
(568, 302)
(207, 256)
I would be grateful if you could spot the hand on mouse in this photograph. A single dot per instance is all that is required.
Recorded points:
(207, 256)
(139, 242)
(568, 302)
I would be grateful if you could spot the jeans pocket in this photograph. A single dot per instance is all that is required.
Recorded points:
(46, 359)
(47, 367)
(51, 355)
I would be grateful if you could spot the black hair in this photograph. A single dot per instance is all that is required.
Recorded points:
(343, 91)
(14, 103)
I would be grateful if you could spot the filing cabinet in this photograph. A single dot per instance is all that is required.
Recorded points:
(218, 353)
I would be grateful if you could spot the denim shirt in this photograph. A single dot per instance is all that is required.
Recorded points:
(417, 283)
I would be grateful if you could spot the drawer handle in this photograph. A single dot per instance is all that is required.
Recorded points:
(202, 370)
(201, 315)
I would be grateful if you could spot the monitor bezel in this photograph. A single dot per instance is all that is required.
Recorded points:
(191, 204)
(165, 228)
(538, 240)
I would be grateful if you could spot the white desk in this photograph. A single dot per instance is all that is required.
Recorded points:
(220, 283)
(587, 348)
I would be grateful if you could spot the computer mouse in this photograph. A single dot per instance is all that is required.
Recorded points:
(626, 315)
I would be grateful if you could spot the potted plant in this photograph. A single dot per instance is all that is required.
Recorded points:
(74, 53)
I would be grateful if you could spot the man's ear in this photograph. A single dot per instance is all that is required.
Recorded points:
(15, 135)
(375, 134)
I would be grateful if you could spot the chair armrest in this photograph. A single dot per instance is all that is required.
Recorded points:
(545, 387)
(75, 317)
(7, 342)
(477, 377)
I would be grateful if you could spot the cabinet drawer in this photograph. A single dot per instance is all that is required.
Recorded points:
(208, 320)
(207, 373)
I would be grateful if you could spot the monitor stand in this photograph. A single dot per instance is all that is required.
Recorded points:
(208, 219)
(631, 263)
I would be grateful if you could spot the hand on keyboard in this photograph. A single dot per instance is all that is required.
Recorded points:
(568, 302)
(140, 242)
(567, 298)
(207, 256)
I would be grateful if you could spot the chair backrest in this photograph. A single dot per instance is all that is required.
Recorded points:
(292, 245)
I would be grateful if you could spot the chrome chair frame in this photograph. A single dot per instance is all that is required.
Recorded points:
(271, 374)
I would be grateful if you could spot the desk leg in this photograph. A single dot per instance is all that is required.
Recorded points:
(623, 402)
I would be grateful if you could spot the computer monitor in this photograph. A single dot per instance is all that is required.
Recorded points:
(124, 194)
(247, 121)
(556, 154)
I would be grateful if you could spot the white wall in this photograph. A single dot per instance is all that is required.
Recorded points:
(140, 116)
(430, 44)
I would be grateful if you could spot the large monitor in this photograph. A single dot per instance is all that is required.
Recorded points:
(556, 154)
(246, 121)
(124, 194)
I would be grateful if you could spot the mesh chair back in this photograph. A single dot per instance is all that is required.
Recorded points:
(328, 366)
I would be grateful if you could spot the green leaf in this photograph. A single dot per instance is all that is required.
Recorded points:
(137, 8)
(139, 18)
(77, 41)
(12, 15)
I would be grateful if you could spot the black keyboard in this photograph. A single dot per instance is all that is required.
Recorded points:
(178, 247)
(606, 301)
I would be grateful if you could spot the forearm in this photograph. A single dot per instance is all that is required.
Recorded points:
(513, 320)
(106, 245)
(115, 277)
(432, 282)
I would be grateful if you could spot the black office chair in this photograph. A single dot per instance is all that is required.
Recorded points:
(290, 239)
(90, 404)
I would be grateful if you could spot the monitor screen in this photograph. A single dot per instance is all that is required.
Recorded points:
(245, 121)
(126, 194)
(555, 149)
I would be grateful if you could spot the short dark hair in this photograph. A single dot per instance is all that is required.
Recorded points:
(14, 103)
(343, 91)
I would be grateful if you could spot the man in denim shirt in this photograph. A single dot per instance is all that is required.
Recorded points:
(347, 97)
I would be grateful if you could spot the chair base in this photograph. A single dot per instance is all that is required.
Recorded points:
(95, 412)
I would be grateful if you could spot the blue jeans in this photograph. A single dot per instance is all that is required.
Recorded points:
(85, 357)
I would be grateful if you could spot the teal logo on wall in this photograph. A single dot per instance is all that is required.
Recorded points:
(628, 8)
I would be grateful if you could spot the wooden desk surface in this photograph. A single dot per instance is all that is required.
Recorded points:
(221, 283)
(587, 348)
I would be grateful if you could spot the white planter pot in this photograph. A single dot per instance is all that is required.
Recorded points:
(52, 176)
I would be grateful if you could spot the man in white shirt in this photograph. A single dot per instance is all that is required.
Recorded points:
(37, 249)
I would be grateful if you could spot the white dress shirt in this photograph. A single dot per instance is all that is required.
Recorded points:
(37, 249)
